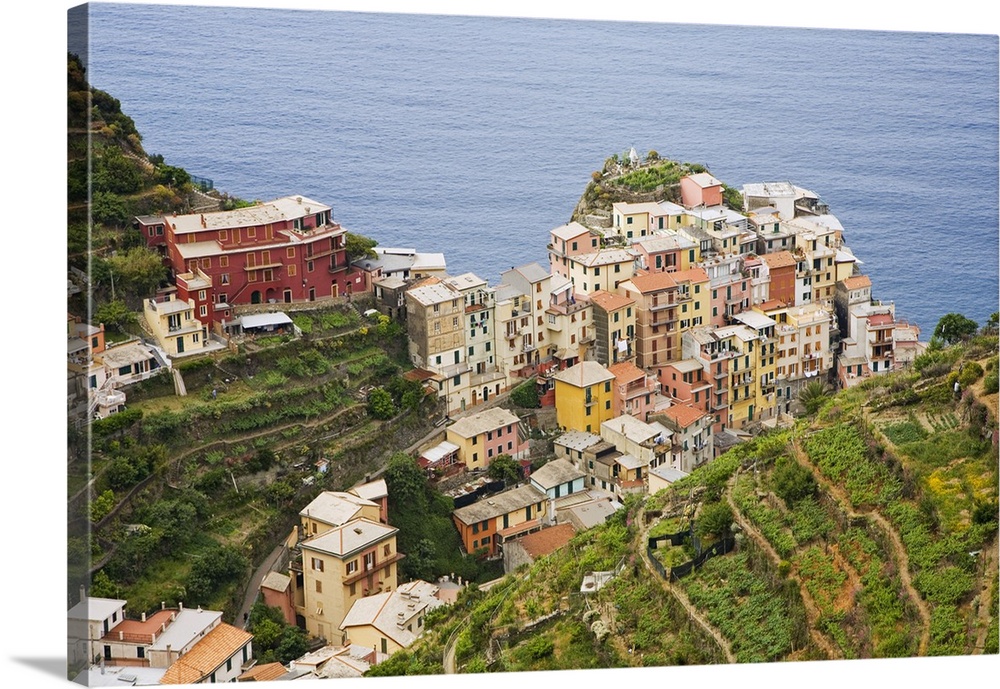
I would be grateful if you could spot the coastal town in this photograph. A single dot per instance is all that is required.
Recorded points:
(660, 335)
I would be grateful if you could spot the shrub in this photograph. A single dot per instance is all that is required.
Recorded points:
(990, 383)
(526, 395)
(971, 372)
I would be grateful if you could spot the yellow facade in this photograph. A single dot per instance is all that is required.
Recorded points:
(332, 581)
(173, 323)
(584, 397)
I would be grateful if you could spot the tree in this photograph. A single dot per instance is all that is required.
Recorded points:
(107, 208)
(792, 481)
(102, 506)
(954, 327)
(405, 480)
(359, 246)
(137, 271)
(505, 468)
(714, 519)
(380, 404)
(813, 395)
(216, 567)
(115, 314)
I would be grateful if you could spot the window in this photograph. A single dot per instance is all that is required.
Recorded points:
(229, 665)
(201, 295)
(224, 278)
(369, 561)
(203, 311)
(475, 528)
(317, 564)
(223, 261)
(353, 589)
(140, 652)
(386, 549)
(319, 586)
(352, 566)
(309, 266)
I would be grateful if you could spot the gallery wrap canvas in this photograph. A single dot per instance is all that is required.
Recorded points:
(428, 344)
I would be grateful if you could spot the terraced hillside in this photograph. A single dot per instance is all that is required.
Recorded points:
(868, 530)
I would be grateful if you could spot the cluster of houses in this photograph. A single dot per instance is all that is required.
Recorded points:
(662, 335)
(341, 586)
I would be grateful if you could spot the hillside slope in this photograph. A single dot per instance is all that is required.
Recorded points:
(868, 530)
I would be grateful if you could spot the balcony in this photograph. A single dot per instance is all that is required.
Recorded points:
(660, 304)
(372, 569)
(336, 267)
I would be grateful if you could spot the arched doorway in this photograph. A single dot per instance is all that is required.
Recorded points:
(255, 297)
(486, 394)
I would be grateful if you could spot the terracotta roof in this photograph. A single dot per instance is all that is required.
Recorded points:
(610, 301)
(880, 319)
(684, 414)
(771, 305)
(857, 282)
(543, 542)
(263, 673)
(653, 282)
(626, 371)
(691, 274)
(209, 654)
(779, 259)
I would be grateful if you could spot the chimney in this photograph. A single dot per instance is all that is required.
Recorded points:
(121, 636)
(180, 605)
(143, 617)
(163, 605)
(203, 223)
(83, 592)
(299, 199)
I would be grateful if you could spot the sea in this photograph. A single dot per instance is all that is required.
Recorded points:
(476, 136)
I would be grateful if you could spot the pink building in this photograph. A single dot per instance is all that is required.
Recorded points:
(701, 190)
(633, 393)
(567, 240)
(686, 382)
(486, 435)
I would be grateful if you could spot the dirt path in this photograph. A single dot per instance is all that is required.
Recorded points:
(812, 610)
(679, 595)
(899, 552)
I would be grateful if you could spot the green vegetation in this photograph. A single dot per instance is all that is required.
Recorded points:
(652, 177)
(954, 327)
(526, 395)
(274, 640)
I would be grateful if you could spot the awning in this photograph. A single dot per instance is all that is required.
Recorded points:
(262, 320)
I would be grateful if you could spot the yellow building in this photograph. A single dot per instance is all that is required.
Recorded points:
(752, 374)
(172, 321)
(584, 396)
(340, 566)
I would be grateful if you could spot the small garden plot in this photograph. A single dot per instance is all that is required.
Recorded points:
(841, 454)
(769, 520)
(762, 619)
(882, 624)
(831, 589)
(907, 431)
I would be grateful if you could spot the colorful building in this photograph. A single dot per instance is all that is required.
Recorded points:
(483, 436)
(584, 396)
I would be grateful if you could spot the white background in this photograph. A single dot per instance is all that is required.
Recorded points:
(33, 229)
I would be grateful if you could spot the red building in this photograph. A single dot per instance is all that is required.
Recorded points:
(286, 250)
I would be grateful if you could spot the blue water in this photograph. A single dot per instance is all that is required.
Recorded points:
(476, 136)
